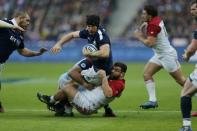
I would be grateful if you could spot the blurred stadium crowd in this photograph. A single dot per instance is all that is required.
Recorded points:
(176, 16)
(52, 18)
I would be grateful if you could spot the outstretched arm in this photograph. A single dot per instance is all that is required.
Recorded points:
(29, 53)
(4, 24)
(58, 46)
(191, 49)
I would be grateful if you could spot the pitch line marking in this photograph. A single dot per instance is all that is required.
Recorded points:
(118, 111)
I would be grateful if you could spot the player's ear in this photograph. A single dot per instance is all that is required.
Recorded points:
(122, 75)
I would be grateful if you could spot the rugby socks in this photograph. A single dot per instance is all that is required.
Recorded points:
(150, 86)
(68, 107)
(186, 107)
(52, 100)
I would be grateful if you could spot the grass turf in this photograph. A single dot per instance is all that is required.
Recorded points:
(21, 82)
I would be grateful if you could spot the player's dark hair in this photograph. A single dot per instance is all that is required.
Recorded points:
(151, 10)
(122, 66)
(193, 2)
(20, 14)
(92, 20)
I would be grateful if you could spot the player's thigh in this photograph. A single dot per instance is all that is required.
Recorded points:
(178, 76)
(64, 79)
(152, 66)
(70, 90)
(170, 63)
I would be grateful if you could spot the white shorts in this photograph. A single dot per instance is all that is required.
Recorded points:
(169, 62)
(88, 101)
(193, 77)
(63, 80)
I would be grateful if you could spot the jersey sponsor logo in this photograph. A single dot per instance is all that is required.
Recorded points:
(83, 65)
(15, 41)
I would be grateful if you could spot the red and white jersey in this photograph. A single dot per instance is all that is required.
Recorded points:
(157, 29)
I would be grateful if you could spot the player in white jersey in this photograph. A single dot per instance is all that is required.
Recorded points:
(86, 101)
(165, 55)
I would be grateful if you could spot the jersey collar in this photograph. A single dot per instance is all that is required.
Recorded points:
(14, 22)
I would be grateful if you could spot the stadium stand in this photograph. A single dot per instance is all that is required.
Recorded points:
(50, 18)
(175, 14)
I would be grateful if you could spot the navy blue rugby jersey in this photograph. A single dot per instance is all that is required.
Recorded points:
(99, 39)
(10, 40)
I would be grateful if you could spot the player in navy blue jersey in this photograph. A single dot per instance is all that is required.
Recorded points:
(96, 35)
(190, 87)
(11, 39)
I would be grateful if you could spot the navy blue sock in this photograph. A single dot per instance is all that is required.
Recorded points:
(186, 106)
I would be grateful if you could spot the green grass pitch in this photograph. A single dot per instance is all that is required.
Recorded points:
(21, 82)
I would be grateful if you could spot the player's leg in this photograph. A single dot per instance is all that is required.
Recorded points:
(75, 72)
(194, 113)
(59, 102)
(152, 67)
(108, 111)
(172, 65)
(179, 77)
(186, 104)
(1, 107)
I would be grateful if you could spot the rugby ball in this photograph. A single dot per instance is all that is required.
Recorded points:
(90, 47)
(91, 76)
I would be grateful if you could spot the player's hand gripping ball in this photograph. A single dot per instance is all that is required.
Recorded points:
(88, 49)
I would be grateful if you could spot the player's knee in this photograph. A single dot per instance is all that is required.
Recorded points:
(147, 76)
(64, 80)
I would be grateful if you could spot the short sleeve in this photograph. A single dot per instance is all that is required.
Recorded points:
(103, 39)
(83, 34)
(153, 30)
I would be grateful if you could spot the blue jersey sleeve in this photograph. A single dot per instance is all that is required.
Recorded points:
(195, 34)
(103, 39)
(20, 40)
(83, 34)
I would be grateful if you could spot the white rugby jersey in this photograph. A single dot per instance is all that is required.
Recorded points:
(157, 29)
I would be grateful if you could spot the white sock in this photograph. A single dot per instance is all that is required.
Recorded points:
(52, 100)
(186, 122)
(150, 86)
(68, 109)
